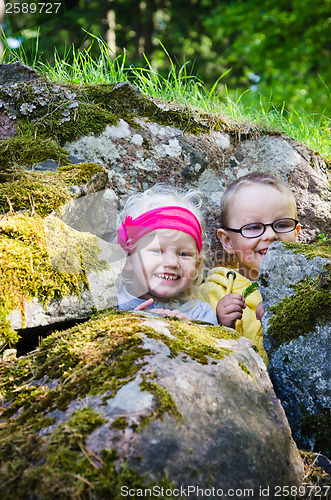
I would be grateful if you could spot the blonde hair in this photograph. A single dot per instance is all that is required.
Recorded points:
(161, 195)
(262, 178)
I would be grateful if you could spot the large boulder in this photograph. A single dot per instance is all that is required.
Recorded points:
(126, 402)
(295, 283)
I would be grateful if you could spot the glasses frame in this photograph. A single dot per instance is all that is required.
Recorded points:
(264, 227)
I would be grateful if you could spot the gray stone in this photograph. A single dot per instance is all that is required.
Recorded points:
(227, 415)
(17, 72)
(300, 369)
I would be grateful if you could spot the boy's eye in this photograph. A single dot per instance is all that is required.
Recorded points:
(283, 224)
(253, 227)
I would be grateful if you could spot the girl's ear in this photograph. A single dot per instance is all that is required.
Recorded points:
(128, 264)
(226, 241)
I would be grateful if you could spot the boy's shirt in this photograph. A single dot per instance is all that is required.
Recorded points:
(248, 326)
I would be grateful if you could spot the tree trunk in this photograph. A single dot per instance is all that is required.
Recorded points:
(110, 34)
(146, 25)
(108, 21)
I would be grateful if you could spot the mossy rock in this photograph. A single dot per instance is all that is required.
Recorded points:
(134, 401)
(295, 283)
(48, 115)
(43, 260)
(42, 193)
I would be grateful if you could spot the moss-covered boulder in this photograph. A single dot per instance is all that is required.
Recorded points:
(50, 273)
(295, 282)
(126, 402)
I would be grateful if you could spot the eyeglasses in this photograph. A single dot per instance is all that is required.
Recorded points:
(256, 229)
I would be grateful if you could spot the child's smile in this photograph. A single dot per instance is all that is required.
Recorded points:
(168, 277)
(163, 264)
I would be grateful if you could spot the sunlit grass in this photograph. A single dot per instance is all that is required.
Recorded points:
(178, 87)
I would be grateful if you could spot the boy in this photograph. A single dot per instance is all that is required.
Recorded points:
(256, 210)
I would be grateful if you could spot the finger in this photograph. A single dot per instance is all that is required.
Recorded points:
(144, 305)
(233, 317)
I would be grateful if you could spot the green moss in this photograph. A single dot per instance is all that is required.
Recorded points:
(127, 102)
(300, 313)
(36, 264)
(319, 249)
(120, 423)
(165, 402)
(96, 358)
(36, 192)
(197, 341)
(80, 173)
(246, 370)
(88, 119)
(42, 192)
(65, 466)
(26, 149)
(318, 425)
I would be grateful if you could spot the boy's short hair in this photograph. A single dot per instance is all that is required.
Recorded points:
(263, 178)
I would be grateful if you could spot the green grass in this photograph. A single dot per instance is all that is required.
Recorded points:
(179, 87)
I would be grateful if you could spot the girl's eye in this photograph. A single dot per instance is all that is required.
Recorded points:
(185, 254)
(156, 250)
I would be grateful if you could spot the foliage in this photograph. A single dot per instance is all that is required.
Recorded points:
(277, 50)
(250, 289)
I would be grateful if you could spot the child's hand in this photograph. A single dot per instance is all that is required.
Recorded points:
(162, 312)
(259, 311)
(171, 312)
(229, 309)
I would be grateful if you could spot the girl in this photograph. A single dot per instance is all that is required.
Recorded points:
(160, 230)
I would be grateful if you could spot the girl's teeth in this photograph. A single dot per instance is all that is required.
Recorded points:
(170, 278)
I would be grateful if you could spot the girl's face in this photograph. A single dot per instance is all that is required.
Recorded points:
(256, 203)
(162, 266)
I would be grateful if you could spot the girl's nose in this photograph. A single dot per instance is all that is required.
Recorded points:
(170, 259)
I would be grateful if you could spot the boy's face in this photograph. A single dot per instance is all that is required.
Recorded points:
(162, 266)
(256, 203)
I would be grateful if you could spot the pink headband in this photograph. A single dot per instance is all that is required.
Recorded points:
(177, 218)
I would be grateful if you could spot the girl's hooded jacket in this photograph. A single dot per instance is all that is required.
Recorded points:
(248, 326)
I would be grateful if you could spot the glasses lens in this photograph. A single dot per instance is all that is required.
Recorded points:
(284, 225)
(252, 230)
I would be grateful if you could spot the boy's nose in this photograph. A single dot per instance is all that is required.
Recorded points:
(269, 234)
